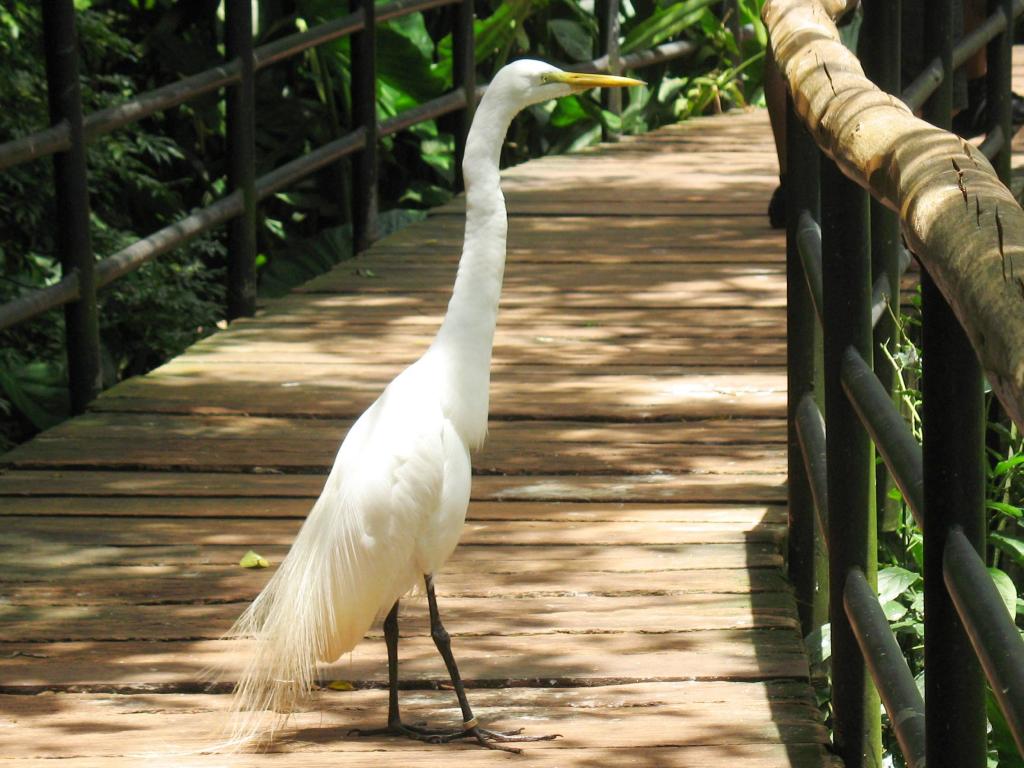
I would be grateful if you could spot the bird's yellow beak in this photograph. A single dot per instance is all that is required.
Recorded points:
(581, 82)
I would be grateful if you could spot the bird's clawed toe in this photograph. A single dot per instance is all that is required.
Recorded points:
(483, 736)
(496, 740)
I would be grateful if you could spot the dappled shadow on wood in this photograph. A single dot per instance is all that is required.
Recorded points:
(618, 579)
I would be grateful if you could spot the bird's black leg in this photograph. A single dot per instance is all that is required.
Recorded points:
(470, 727)
(391, 641)
(395, 725)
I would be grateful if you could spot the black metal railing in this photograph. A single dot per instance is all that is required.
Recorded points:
(843, 291)
(70, 132)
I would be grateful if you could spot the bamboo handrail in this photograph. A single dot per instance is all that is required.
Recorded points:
(963, 224)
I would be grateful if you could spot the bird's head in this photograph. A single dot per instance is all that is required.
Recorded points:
(528, 81)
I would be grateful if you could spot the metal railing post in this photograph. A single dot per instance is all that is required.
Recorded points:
(74, 246)
(880, 54)
(851, 469)
(464, 77)
(364, 116)
(997, 86)
(802, 341)
(608, 45)
(954, 481)
(241, 140)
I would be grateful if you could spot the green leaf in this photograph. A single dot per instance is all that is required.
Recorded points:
(1005, 466)
(341, 685)
(573, 37)
(405, 70)
(1001, 737)
(568, 111)
(1007, 591)
(893, 582)
(664, 24)
(37, 390)
(252, 560)
(1007, 509)
(1011, 546)
(894, 610)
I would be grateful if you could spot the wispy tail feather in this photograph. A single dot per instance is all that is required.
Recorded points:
(304, 614)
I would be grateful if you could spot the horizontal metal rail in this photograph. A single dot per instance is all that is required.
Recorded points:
(96, 124)
(178, 233)
(926, 83)
(640, 59)
(428, 110)
(995, 637)
(887, 428)
(992, 143)
(888, 668)
(808, 243)
(810, 431)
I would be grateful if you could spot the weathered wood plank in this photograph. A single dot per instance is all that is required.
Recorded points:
(329, 391)
(660, 487)
(492, 616)
(118, 426)
(485, 533)
(628, 525)
(40, 559)
(39, 583)
(577, 448)
(383, 314)
(330, 347)
(584, 659)
(791, 755)
(581, 715)
(44, 508)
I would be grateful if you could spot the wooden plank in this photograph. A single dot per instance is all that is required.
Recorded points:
(118, 426)
(46, 507)
(39, 583)
(267, 532)
(752, 488)
(551, 283)
(577, 448)
(331, 347)
(40, 559)
(670, 756)
(325, 391)
(583, 659)
(283, 318)
(628, 525)
(492, 616)
(580, 715)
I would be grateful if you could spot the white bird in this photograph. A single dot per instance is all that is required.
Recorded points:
(395, 501)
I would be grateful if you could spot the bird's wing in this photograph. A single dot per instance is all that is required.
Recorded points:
(393, 460)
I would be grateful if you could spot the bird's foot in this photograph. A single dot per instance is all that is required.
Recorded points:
(484, 737)
(417, 731)
(497, 740)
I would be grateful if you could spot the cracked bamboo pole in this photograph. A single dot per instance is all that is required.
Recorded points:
(963, 224)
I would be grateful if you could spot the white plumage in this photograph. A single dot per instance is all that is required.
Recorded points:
(395, 501)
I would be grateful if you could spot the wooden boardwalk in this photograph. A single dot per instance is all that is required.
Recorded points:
(619, 580)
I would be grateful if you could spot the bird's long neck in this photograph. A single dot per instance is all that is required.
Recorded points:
(467, 333)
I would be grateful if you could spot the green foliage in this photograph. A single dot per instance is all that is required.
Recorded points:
(139, 181)
(899, 581)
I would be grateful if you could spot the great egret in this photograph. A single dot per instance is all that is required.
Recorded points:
(395, 501)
